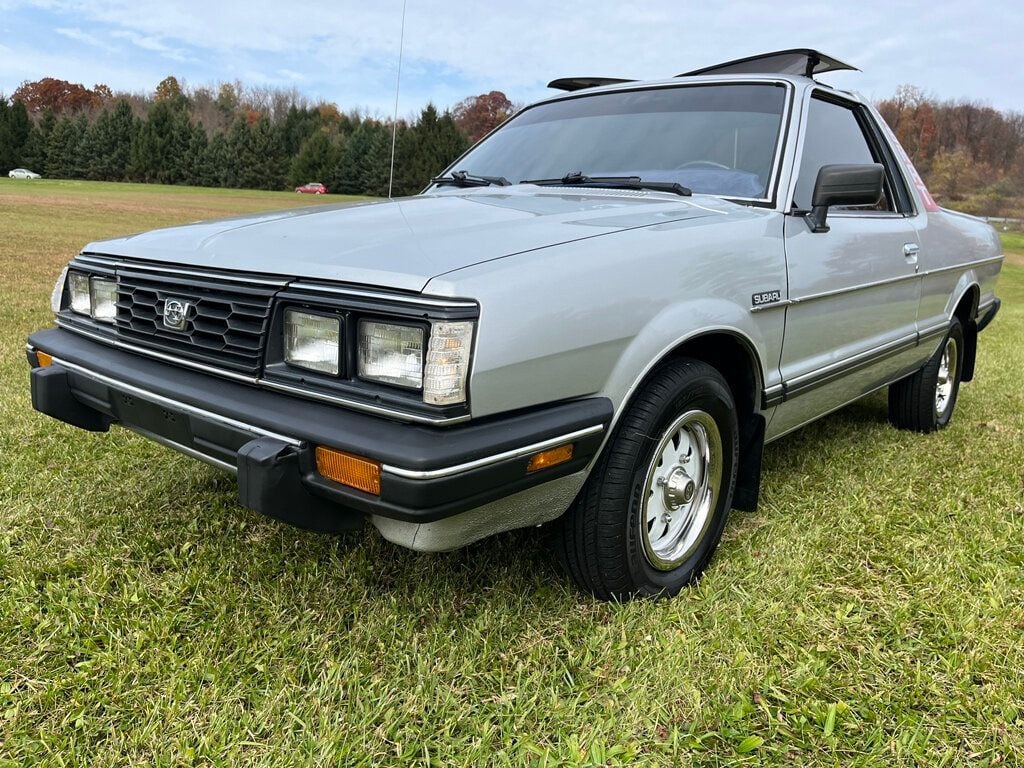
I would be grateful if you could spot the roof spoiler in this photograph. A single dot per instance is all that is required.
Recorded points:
(579, 83)
(794, 61)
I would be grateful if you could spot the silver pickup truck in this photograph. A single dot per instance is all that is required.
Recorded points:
(595, 318)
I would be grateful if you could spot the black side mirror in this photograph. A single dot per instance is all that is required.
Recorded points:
(843, 185)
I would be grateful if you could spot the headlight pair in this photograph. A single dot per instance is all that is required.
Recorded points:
(93, 296)
(389, 353)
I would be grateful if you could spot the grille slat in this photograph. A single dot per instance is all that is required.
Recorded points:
(226, 325)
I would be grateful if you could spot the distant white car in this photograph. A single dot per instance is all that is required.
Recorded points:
(23, 173)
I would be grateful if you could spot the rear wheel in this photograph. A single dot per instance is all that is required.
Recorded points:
(653, 510)
(924, 401)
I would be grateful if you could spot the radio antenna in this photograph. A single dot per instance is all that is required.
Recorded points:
(398, 85)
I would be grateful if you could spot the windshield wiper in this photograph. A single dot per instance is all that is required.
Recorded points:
(463, 179)
(578, 179)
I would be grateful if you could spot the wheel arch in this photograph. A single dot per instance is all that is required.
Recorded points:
(735, 356)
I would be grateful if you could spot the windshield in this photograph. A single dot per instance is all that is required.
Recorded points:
(715, 139)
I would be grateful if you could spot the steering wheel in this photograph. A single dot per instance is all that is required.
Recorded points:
(703, 164)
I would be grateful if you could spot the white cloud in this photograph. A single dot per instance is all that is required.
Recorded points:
(346, 50)
(151, 43)
(74, 33)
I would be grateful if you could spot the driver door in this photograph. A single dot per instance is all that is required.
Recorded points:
(851, 326)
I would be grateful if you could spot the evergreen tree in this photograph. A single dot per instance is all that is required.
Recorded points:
(93, 144)
(218, 160)
(259, 155)
(364, 165)
(298, 126)
(33, 154)
(159, 150)
(438, 142)
(314, 162)
(406, 146)
(198, 169)
(121, 130)
(8, 159)
(14, 133)
(62, 149)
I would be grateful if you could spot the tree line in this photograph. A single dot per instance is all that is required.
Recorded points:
(970, 155)
(234, 137)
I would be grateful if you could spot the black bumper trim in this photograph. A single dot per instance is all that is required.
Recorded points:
(438, 472)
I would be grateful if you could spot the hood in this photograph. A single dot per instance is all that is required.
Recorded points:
(403, 243)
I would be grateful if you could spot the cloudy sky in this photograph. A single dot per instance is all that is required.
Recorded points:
(346, 50)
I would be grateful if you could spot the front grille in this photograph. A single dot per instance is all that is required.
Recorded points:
(225, 324)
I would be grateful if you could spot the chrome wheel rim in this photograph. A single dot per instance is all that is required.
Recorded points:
(681, 489)
(946, 378)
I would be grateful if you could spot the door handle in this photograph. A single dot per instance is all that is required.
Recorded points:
(910, 251)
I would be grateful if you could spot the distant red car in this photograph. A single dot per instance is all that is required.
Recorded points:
(312, 188)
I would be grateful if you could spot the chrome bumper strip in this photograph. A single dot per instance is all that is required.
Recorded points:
(431, 474)
(515, 453)
(171, 403)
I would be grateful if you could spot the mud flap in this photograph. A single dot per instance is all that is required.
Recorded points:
(748, 474)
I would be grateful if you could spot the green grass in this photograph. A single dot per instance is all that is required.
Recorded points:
(1013, 242)
(870, 613)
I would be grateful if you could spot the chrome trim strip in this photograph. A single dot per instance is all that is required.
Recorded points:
(267, 384)
(828, 373)
(858, 287)
(118, 344)
(89, 258)
(426, 301)
(773, 305)
(260, 432)
(183, 449)
(515, 453)
(967, 265)
(935, 330)
(143, 269)
(171, 403)
(358, 406)
(877, 283)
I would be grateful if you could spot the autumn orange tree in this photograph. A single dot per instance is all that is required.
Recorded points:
(479, 115)
(970, 154)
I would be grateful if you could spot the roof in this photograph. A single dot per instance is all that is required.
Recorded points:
(801, 62)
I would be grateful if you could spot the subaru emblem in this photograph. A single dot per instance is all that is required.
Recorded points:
(176, 313)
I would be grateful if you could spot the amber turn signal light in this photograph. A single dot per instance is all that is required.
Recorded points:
(44, 360)
(353, 471)
(550, 458)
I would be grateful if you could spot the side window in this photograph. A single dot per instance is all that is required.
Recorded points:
(834, 135)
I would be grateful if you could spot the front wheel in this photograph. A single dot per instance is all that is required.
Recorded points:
(653, 510)
(924, 401)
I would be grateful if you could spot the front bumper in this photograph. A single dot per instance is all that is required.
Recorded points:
(428, 473)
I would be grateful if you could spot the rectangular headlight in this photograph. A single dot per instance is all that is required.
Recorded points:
(444, 380)
(103, 295)
(312, 341)
(392, 354)
(81, 295)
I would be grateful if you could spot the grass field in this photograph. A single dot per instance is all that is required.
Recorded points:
(870, 613)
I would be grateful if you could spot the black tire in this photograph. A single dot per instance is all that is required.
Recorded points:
(912, 401)
(599, 540)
